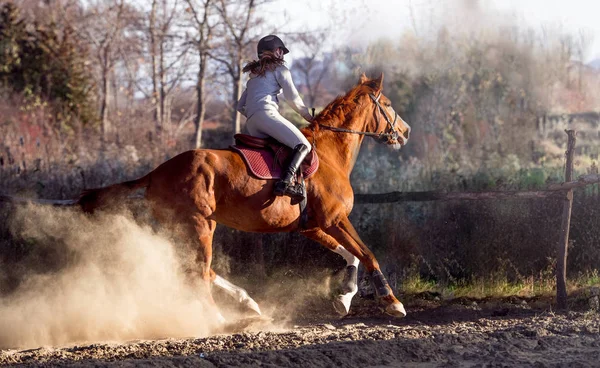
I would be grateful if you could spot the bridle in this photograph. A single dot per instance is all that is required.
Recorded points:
(392, 133)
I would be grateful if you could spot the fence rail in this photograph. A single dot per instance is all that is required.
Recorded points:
(556, 191)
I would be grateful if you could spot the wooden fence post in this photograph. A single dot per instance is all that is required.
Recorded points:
(563, 243)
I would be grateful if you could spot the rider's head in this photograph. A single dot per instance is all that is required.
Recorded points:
(270, 52)
(273, 44)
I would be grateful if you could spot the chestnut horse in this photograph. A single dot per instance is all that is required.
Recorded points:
(199, 188)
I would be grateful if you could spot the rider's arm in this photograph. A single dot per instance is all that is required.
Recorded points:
(284, 78)
(241, 105)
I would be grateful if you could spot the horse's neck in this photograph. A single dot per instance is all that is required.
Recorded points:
(342, 148)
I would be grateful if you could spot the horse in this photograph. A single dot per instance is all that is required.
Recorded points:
(199, 188)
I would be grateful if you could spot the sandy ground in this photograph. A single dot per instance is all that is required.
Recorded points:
(466, 334)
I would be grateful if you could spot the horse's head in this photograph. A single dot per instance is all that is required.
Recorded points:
(392, 129)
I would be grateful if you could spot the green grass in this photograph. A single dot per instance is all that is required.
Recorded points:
(499, 287)
(586, 280)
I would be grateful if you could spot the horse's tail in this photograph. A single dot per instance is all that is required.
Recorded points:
(112, 196)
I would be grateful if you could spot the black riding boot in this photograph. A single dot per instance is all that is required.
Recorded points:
(284, 186)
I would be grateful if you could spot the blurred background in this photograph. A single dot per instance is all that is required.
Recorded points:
(94, 92)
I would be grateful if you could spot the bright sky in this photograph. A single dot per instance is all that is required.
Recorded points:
(372, 19)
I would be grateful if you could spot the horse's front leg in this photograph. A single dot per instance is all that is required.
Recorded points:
(347, 236)
(349, 286)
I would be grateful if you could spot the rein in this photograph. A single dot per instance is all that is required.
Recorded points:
(380, 136)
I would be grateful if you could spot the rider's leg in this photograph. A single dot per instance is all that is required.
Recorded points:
(283, 187)
(270, 122)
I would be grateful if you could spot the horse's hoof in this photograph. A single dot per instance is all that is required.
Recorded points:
(341, 303)
(220, 319)
(396, 310)
(251, 304)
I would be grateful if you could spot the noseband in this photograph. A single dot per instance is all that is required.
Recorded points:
(391, 124)
(379, 136)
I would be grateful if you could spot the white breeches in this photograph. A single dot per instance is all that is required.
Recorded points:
(270, 123)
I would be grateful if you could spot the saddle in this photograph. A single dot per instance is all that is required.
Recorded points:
(266, 158)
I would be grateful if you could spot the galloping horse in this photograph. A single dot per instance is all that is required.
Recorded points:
(199, 188)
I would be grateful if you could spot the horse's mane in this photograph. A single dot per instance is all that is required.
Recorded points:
(337, 109)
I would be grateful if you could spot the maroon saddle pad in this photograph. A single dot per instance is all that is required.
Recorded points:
(266, 158)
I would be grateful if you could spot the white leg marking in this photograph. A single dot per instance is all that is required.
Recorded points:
(343, 301)
(348, 257)
(237, 292)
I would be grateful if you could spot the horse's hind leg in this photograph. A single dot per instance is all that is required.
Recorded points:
(205, 229)
(349, 285)
(195, 232)
(235, 291)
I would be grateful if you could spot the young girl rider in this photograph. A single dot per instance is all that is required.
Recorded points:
(259, 104)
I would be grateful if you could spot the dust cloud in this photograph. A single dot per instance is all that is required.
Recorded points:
(97, 279)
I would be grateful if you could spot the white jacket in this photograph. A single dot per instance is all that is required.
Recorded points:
(261, 93)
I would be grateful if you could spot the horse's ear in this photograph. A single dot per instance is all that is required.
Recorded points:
(376, 84)
(363, 78)
(379, 82)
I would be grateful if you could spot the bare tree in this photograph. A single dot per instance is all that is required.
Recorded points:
(156, 57)
(153, 49)
(101, 25)
(238, 20)
(201, 14)
(315, 65)
(131, 60)
(167, 57)
(584, 41)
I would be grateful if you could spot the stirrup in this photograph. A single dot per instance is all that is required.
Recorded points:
(295, 191)
(280, 188)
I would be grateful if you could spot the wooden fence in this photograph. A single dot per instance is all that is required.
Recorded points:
(563, 191)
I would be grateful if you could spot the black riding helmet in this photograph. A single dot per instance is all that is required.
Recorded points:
(270, 43)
